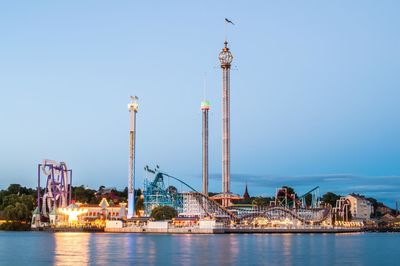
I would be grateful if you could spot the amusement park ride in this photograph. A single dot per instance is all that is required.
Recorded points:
(188, 202)
(285, 199)
(57, 192)
(191, 203)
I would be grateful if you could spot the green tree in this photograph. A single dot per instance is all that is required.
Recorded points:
(12, 199)
(308, 199)
(18, 212)
(172, 190)
(121, 195)
(3, 194)
(14, 188)
(290, 191)
(163, 213)
(261, 201)
(330, 198)
(375, 205)
(84, 195)
(139, 201)
(139, 204)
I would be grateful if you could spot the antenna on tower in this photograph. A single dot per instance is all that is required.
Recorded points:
(205, 86)
(226, 31)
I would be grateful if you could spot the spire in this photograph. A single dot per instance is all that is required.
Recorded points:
(246, 193)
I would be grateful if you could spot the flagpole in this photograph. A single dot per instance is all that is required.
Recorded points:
(226, 31)
(204, 86)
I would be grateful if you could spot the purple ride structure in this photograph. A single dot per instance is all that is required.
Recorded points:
(57, 190)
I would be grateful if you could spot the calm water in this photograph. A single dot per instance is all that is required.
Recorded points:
(38, 248)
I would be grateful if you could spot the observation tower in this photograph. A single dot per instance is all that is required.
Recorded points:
(133, 108)
(226, 196)
(225, 57)
(205, 107)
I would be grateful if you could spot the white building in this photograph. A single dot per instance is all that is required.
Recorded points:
(360, 207)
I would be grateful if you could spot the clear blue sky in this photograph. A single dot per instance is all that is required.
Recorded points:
(315, 91)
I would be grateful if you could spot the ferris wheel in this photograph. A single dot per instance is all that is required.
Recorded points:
(57, 192)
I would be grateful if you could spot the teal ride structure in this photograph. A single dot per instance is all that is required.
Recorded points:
(156, 193)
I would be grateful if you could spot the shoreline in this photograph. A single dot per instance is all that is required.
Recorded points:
(139, 230)
(234, 230)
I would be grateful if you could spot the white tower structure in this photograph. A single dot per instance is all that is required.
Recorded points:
(225, 57)
(133, 108)
(205, 107)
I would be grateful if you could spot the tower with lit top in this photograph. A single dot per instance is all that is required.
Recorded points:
(225, 57)
(205, 107)
(133, 108)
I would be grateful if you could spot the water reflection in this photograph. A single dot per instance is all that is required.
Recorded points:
(185, 247)
(137, 245)
(102, 249)
(37, 248)
(151, 251)
(287, 249)
(233, 249)
(71, 248)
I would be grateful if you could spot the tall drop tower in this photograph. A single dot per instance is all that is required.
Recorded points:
(205, 107)
(225, 57)
(133, 108)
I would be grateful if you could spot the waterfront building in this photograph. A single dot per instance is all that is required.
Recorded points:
(360, 207)
(82, 215)
(182, 221)
(104, 210)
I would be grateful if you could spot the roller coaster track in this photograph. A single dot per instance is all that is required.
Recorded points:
(211, 208)
(284, 198)
(317, 215)
(184, 183)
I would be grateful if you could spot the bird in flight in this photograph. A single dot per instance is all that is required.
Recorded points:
(227, 20)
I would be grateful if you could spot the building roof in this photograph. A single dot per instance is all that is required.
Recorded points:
(73, 206)
(179, 218)
(226, 196)
(388, 216)
(143, 218)
(36, 211)
(358, 196)
(97, 206)
(242, 205)
(103, 203)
